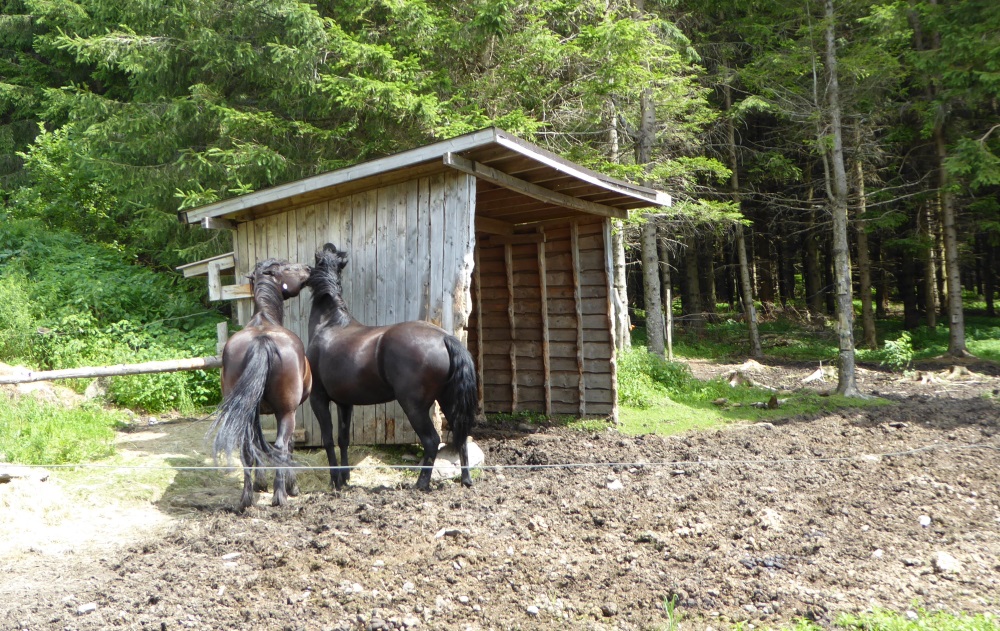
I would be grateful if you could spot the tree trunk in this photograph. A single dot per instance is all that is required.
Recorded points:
(989, 276)
(691, 298)
(906, 281)
(930, 270)
(668, 297)
(706, 268)
(619, 297)
(746, 287)
(749, 311)
(882, 283)
(811, 269)
(956, 317)
(651, 289)
(864, 259)
(846, 383)
(650, 256)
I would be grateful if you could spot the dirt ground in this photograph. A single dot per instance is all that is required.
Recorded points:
(895, 507)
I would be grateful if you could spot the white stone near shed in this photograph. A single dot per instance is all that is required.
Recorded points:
(448, 466)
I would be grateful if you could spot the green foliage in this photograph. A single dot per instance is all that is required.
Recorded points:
(66, 303)
(645, 378)
(17, 320)
(32, 432)
(898, 353)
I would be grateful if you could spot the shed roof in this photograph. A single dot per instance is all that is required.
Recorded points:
(521, 182)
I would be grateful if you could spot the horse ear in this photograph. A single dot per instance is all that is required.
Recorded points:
(342, 260)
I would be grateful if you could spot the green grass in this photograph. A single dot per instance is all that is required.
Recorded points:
(37, 433)
(787, 339)
(917, 620)
(661, 397)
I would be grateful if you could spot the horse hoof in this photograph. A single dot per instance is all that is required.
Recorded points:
(279, 501)
(292, 489)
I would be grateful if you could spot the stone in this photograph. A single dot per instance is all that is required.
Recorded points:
(945, 563)
(447, 464)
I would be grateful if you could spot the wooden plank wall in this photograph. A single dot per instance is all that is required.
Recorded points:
(541, 329)
(408, 244)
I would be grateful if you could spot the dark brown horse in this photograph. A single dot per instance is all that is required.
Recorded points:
(264, 371)
(414, 363)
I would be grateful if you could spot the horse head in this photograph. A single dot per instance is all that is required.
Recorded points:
(289, 277)
(325, 276)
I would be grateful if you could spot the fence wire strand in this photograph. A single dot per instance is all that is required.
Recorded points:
(674, 464)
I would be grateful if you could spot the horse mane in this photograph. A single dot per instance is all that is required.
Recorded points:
(267, 298)
(325, 281)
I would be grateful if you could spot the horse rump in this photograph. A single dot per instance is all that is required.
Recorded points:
(237, 427)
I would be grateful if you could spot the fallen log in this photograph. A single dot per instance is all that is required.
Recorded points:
(169, 365)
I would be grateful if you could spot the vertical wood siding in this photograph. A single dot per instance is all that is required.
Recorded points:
(410, 248)
(541, 331)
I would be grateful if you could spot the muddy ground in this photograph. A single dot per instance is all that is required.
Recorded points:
(895, 507)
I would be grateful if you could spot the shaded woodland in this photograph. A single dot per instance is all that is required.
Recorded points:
(829, 160)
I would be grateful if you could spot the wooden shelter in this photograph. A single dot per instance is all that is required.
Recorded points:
(498, 241)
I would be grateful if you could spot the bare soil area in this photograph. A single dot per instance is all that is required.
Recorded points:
(896, 506)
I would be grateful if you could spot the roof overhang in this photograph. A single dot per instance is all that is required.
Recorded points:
(510, 166)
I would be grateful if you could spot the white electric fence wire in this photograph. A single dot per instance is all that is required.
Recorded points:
(674, 464)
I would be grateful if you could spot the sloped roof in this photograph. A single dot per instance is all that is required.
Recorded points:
(519, 182)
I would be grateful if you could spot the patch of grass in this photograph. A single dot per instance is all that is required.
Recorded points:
(37, 433)
(883, 620)
(662, 397)
(915, 620)
(786, 338)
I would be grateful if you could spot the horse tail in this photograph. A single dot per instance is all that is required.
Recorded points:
(237, 427)
(460, 400)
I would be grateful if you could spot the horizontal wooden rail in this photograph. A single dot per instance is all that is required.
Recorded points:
(170, 365)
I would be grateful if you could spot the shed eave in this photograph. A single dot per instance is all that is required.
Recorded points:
(636, 195)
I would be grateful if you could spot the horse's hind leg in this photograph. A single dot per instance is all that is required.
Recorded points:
(463, 457)
(283, 475)
(260, 477)
(247, 498)
(321, 410)
(420, 420)
(343, 441)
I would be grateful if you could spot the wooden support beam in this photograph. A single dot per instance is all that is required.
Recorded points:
(201, 268)
(544, 291)
(217, 223)
(609, 285)
(493, 226)
(235, 292)
(574, 236)
(508, 256)
(221, 337)
(531, 190)
(514, 239)
(171, 365)
(479, 325)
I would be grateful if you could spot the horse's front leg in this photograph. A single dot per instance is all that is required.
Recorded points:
(284, 477)
(343, 440)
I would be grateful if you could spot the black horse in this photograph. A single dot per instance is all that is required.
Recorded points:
(414, 363)
(264, 370)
